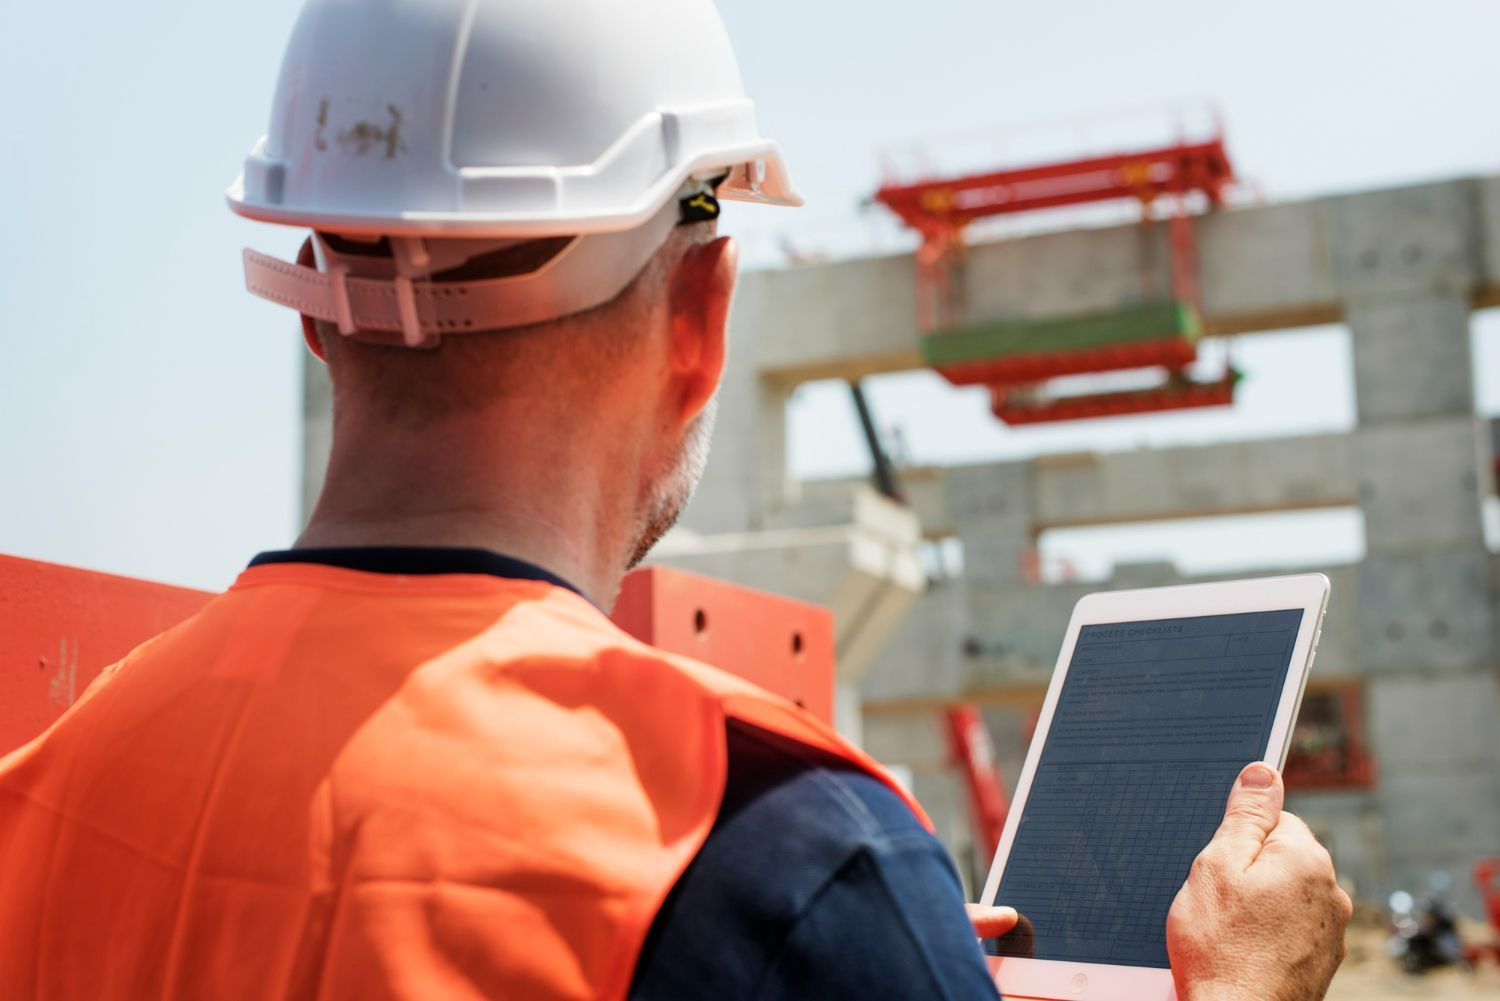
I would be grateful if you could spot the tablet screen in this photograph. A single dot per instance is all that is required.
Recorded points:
(1153, 724)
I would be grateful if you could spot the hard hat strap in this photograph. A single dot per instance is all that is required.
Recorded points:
(407, 309)
(412, 262)
(338, 273)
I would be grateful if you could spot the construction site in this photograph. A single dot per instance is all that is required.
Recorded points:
(1412, 629)
(902, 608)
(1399, 738)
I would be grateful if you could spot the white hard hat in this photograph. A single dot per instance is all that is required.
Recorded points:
(447, 129)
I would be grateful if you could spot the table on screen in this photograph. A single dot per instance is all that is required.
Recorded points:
(1154, 721)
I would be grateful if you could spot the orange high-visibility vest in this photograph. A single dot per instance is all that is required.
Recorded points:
(337, 784)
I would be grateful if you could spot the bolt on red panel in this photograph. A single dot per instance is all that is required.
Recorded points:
(783, 645)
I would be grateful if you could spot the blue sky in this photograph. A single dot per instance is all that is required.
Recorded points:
(151, 406)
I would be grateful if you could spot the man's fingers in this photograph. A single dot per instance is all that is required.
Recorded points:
(992, 922)
(1253, 810)
(1292, 833)
(1294, 844)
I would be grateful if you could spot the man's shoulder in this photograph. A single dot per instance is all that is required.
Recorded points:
(825, 794)
(792, 816)
(798, 832)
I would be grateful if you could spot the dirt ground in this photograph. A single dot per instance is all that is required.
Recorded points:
(1368, 974)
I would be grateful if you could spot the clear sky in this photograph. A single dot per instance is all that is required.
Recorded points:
(151, 406)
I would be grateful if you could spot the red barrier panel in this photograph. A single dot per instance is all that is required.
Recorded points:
(60, 626)
(782, 645)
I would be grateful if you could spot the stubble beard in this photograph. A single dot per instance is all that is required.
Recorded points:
(670, 494)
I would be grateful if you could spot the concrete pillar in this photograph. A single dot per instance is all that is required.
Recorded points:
(991, 510)
(1426, 636)
(317, 430)
(1411, 357)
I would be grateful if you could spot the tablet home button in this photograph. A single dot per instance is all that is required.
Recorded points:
(1078, 984)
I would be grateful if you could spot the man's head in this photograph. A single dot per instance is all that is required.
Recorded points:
(631, 381)
(545, 169)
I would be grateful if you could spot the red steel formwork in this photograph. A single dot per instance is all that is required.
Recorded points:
(936, 208)
(60, 626)
(782, 645)
(1027, 370)
(1174, 394)
(941, 209)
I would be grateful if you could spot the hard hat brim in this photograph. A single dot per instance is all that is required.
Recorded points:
(757, 173)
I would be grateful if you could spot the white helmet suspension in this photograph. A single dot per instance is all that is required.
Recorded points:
(417, 137)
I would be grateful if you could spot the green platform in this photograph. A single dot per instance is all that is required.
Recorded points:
(1117, 328)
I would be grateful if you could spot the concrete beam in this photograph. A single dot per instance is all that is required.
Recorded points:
(1266, 267)
(1103, 488)
(1263, 268)
(1001, 648)
(1224, 478)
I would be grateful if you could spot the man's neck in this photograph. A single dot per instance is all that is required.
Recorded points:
(548, 505)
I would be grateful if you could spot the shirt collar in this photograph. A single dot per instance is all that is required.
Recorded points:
(417, 561)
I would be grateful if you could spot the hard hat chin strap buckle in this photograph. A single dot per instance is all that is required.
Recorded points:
(412, 262)
(338, 273)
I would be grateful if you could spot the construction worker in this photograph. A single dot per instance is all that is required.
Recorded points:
(411, 757)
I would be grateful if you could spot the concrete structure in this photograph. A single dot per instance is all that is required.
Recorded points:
(1414, 625)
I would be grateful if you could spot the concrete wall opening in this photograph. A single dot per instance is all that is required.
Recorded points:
(1227, 545)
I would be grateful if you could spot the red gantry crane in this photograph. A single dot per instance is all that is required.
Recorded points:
(1014, 357)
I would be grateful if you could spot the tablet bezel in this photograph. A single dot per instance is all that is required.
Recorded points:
(1073, 981)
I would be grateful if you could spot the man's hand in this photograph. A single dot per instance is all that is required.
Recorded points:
(991, 922)
(1261, 915)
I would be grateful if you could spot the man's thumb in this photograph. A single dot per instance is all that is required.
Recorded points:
(1253, 810)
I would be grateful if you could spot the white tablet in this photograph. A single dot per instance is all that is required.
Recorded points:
(1159, 698)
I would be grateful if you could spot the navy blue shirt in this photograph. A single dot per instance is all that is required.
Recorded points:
(816, 883)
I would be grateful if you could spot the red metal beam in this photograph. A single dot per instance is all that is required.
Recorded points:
(1172, 396)
(943, 205)
(971, 748)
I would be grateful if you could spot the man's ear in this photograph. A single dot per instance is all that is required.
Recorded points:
(701, 290)
(307, 259)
